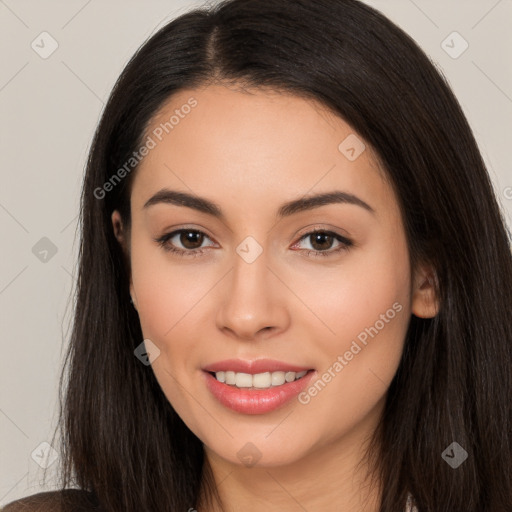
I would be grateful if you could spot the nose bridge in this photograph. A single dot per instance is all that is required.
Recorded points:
(251, 301)
(250, 268)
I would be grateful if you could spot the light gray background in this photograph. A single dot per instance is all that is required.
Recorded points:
(48, 111)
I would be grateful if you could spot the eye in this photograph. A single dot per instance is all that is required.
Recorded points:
(190, 239)
(322, 241)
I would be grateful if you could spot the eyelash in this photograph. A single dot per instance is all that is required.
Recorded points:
(345, 244)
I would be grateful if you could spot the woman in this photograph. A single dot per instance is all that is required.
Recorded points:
(295, 280)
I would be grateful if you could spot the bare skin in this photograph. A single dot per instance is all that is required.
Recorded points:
(250, 153)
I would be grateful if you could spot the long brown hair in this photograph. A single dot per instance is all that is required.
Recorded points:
(123, 441)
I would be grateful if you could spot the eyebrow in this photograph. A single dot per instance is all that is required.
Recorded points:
(305, 203)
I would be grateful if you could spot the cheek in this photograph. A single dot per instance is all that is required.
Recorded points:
(166, 292)
(366, 306)
(168, 296)
(355, 293)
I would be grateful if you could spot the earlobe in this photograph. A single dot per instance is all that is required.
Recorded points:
(425, 302)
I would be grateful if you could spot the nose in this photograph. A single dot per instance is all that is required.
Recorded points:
(253, 303)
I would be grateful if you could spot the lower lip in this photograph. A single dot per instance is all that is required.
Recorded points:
(256, 401)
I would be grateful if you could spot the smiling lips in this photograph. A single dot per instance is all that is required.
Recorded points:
(255, 387)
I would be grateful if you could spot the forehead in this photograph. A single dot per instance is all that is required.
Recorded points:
(257, 145)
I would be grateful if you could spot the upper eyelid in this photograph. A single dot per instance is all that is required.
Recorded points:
(323, 229)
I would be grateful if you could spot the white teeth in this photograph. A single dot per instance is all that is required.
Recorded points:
(289, 376)
(243, 380)
(260, 380)
(278, 378)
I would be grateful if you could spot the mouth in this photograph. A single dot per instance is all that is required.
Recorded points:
(256, 387)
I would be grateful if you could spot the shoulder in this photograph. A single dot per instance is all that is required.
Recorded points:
(68, 500)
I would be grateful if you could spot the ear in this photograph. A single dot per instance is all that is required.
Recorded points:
(121, 235)
(117, 225)
(425, 302)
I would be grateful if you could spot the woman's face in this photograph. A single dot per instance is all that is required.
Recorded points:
(336, 304)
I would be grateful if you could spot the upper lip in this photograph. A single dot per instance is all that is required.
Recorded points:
(254, 367)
